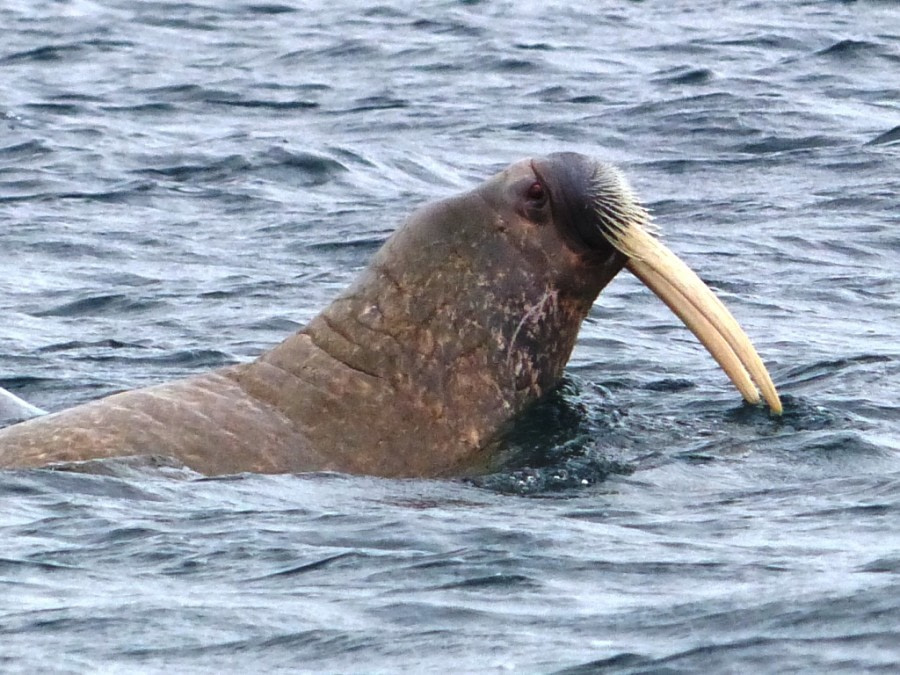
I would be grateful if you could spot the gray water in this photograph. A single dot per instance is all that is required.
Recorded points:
(183, 185)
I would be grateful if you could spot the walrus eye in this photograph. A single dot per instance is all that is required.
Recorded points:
(536, 194)
(536, 200)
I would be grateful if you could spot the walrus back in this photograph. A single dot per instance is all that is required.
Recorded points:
(203, 422)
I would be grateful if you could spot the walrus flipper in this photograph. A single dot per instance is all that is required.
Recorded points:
(13, 409)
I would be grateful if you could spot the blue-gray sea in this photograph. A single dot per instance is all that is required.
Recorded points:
(184, 184)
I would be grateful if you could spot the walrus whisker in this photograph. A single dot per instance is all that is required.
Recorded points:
(616, 205)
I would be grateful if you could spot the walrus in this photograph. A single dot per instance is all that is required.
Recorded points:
(464, 318)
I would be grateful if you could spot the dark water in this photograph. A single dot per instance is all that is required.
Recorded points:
(184, 184)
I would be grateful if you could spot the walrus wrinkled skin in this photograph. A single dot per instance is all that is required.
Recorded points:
(465, 317)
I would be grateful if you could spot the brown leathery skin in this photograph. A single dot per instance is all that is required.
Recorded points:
(465, 317)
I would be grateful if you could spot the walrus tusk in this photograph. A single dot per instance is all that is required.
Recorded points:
(717, 346)
(702, 312)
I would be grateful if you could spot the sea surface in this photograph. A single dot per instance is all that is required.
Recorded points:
(182, 185)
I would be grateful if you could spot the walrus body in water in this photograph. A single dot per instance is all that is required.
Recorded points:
(464, 318)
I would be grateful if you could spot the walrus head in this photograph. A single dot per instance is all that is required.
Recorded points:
(470, 310)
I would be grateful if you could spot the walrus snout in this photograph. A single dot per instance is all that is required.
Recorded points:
(596, 201)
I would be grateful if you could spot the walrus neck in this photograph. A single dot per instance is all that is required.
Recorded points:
(402, 373)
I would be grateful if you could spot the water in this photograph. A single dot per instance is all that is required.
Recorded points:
(182, 185)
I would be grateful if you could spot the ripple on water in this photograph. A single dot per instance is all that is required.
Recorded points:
(887, 138)
(104, 304)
